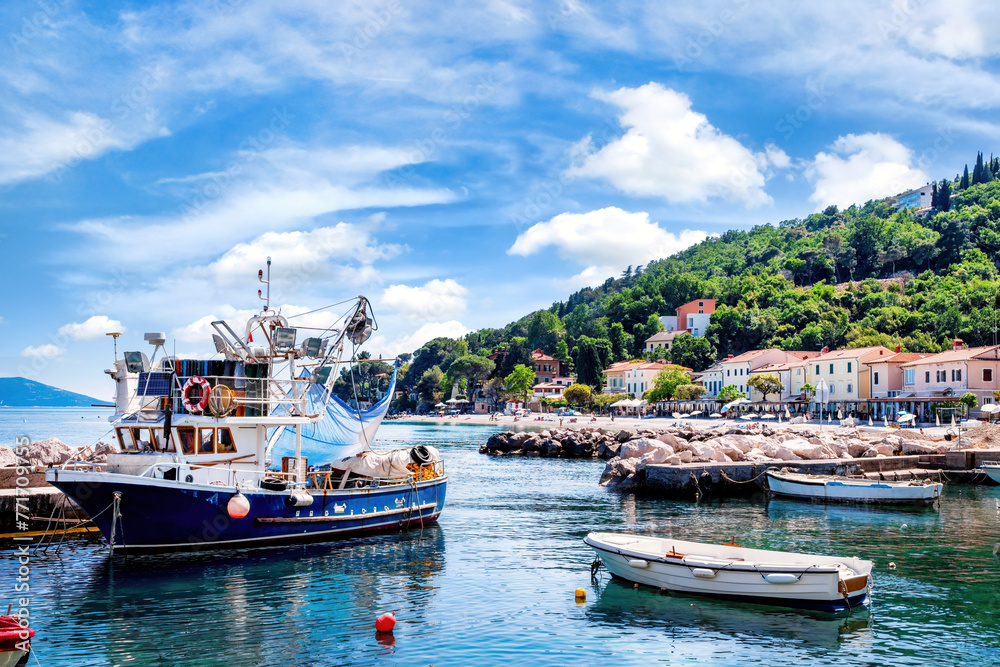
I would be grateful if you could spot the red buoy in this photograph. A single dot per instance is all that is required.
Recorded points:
(386, 622)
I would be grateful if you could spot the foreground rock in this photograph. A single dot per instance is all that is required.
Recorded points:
(629, 451)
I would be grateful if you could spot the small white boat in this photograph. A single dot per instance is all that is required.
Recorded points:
(735, 572)
(992, 470)
(832, 488)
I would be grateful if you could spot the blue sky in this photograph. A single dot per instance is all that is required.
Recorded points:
(461, 165)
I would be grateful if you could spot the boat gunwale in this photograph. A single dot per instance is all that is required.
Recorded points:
(736, 566)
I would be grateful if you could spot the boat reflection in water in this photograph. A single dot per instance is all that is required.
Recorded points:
(292, 602)
(619, 604)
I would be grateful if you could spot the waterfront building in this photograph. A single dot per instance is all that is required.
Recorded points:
(711, 378)
(631, 377)
(793, 375)
(663, 340)
(944, 377)
(736, 369)
(847, 375)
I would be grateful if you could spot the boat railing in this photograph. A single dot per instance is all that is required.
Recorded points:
(326, 480)
(215, 475)
(250, 396)
(88, 466)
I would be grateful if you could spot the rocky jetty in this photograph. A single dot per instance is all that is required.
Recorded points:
(628, 452)
(53, 452)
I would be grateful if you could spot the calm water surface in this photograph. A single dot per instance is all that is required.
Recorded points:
(493, 582)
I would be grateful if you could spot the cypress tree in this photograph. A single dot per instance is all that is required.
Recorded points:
(977, 171)
(964, 183)
(945, 195)
(935, 199)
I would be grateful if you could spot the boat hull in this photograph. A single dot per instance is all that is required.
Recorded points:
(780, 584)
(992, 471)
(167, 515)
(853, 491)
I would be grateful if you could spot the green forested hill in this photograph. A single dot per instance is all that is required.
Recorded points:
(862, 276)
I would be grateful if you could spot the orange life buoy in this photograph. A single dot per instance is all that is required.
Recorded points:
(196, 407)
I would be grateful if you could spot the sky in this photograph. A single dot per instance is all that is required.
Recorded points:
(460, 164)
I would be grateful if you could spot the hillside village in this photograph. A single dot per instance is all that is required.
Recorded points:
(878, 310)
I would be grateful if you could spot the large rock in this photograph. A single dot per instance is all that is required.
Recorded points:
(660, 454)
(49, 452)
(634, 449)
(669, 439)
(805, 449)
(624, 435)
(913, 447)
(7, 457)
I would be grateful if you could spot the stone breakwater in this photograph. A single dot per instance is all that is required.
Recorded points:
(628, 451)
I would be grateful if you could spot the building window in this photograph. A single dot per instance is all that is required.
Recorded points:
(701, 312)
(942, 376)
(927, 377)
(850, 387)
(701, 304)
(817, 369)
(848, 368)
(876, 377)
(909, 375)
(798, 371)
(833, 389)
(956, 375)
(831, 369)
(987, 375)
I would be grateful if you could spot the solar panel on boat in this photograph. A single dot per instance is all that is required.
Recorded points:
(154, 384)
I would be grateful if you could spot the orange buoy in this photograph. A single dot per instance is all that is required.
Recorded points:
(580, 594)
(238, 506)
(386, 622)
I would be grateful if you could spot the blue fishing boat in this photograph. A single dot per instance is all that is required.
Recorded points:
(195, 438)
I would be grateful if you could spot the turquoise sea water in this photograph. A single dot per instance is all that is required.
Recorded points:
(493, 582)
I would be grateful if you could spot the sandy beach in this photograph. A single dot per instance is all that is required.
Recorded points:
(546, 421)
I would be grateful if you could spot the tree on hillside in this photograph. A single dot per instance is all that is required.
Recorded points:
(643, 332)
(577, 394)
(518, 354)
(620, 347)
(545, 330)
(766, 383)
(969, 401)
(471, 368)
(520, 381)
(429, 386)
(589, 366)
(692, 351)
(729, 393)
(964, 183)
(562, 354)
(495, 390)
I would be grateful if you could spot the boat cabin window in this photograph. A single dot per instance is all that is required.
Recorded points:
(125, 440)
(206, 441)
(225, 444)
(185, 435)
(145, 439)
(170, 446)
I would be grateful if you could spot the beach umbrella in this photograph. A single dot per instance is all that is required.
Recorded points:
(746, 417)
(716, 415)
(885, 421)
(696, 412)
(675, 415)
(840, 413)
(953, 420)
(937, 419)
(870, 423)
(767, 416)
(787, 414)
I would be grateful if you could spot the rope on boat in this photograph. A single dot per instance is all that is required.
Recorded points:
(115, 519)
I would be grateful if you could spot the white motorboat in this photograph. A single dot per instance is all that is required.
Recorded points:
(731, 571)
(992, 470)
(831, 488)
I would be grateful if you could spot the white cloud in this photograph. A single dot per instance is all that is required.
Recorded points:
(305, 255)
(96, 326)
(605, 240)
(278, 189)
(48, 351)
(42, 145)
(413, 341)
(673, 152)
(435, 300)
(862, 167)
